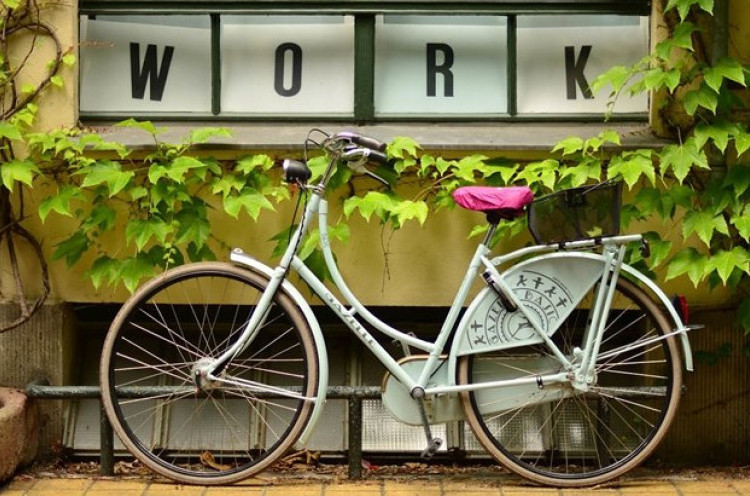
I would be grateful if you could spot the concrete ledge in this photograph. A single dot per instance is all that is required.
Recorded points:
(534, 139)
(19, 432)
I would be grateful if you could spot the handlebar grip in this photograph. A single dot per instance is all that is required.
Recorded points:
(371, 143)
(378, 157)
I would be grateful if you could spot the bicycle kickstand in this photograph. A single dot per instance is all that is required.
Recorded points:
(433, 443)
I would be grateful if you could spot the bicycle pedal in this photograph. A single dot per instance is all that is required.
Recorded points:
(432, 448)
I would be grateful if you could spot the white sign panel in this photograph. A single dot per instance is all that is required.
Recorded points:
(559, 57)
(141, 67)
(276, 67)
(440, 65)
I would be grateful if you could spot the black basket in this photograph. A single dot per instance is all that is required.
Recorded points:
(577, 213)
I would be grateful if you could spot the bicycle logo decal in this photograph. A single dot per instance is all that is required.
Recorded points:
(546, 298)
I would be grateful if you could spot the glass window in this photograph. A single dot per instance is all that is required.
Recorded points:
(488, 60)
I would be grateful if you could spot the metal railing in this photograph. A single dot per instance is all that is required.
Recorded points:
(354, 395)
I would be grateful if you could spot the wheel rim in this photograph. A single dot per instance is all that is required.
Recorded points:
(578, 439)
(218, 431)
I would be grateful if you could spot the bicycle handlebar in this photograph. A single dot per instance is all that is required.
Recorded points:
(356, 151)
(363, 141)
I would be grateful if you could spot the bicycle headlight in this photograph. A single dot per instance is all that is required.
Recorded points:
(296, 172)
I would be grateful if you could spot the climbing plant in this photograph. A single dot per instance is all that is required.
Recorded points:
(23, 34)
(139, 213)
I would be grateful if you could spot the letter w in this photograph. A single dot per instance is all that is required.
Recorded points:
(149, 73)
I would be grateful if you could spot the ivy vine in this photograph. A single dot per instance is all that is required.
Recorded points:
(138, 215)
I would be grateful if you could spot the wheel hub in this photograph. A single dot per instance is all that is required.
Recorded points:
(201, 374)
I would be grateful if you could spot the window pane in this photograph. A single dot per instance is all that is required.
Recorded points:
(289, 65)
(148, 65)
(426, 65)
(559, 56)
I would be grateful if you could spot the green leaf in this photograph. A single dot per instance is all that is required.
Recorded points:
(181, 165)
(12, 4)
(104, 269)
(57, 81)
(660, 248)
(737, 178)
(742, 223)
(227, 184)
(147, 126)
(468, 168)
(704, 224)
(544, 172)
(248, 164)
(339, 232)
(581, 173)
(142, 231)
(108, 172)
(680, 159)
(372, 202)
(18, 170)
(69, 59)
(132, 270)
(318, 166)
(717, 132)
(687, 261)
(702, 97)
(203, 134)
(72, 248)
(10, 131)
(569, 145)
(252, 201)
(632, 166)
(101, 217)
(616, 77)
(741, 141)
(683, 6)
(402, 147)
(726, 262)
(478, 229)
(193, 226)
(60, 202)
(681, 38)
(726, 68)
(407, 210)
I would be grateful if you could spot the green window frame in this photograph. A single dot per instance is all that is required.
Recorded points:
(364, 13)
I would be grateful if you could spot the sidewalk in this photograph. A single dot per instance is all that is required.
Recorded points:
(675, 484)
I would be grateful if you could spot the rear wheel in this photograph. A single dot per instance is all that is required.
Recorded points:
(572, 438)
(207, 432)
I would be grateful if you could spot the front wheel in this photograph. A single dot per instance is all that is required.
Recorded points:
(200, 431)
(572, 438)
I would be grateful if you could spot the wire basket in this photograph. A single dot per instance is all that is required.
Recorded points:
(577, 213)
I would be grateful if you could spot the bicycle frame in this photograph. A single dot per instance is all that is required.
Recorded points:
(348, 310)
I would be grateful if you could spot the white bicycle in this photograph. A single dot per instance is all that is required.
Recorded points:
(566, 365)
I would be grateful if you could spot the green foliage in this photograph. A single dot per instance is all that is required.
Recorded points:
(160, 204)
(700, 184)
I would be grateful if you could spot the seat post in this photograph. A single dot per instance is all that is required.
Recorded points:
(490, 233)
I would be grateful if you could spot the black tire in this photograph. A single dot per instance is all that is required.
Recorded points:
(590, 438)
(220, 433)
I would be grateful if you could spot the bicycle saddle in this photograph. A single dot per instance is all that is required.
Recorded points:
(498, 203)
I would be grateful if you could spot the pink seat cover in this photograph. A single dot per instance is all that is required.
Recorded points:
(488, 198)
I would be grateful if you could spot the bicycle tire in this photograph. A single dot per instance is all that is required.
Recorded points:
(219, 433)
(592, 438)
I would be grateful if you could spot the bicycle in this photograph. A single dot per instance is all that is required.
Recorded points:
(565, 365)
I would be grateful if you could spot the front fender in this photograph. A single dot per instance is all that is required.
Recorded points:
(245, 260)
(570, 274)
